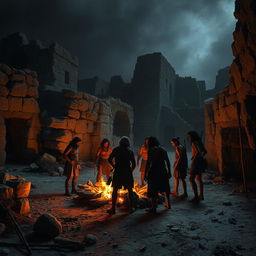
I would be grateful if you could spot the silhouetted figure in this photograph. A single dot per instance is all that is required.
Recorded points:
(144, 155)
(123, 161)
(72, 165)
(198, 164)
(180, 167)
(158, 173)
(102, 163)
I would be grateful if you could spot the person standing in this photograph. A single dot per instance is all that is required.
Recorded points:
(72, 165)
(144, 155)
(179, 167)
(102, 163)
(158, 173)
(123, 161)
(198, 164)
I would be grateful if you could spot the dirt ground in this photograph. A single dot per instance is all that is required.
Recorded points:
(223, 224)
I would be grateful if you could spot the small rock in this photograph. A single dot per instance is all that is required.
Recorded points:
(202, 247)
(194, 227)
(227, 203)
(90, 239)
(105, 233)
(208, 211)
(214, 219)
(221, 213)
(163, 244)
(175, 229)
(143, 248)
(33, 166)
(2, 228)
(54, 174)
(114, 245)
(232, 221)
(4, 252)
(60, 170)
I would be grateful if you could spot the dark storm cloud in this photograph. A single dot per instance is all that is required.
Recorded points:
(108, 35)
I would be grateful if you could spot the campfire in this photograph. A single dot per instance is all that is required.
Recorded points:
(101, 192)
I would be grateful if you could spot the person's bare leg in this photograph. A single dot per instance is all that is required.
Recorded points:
(74, 184)
(66, 186)
(175, 192)
(194, 187)
(142, 177)
(99, 174)
(112, 210)
(167, 201)
(130, 200)
(184, 185)
(201, 186)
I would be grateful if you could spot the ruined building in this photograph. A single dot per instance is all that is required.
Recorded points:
(41, 111)
(230, 117)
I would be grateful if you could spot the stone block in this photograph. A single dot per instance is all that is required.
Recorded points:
(30, 105)
(6, 192)
(22, 206)
(3, 78)
(81, 126)
(21, 188)
(32, 92)
(72, 94)
(56, 145)
(104, 119)
(19, 77)
(78, 104)
(4, 103)
(3, 91)
(71, 113)
(235, 73)
(2, 138)
(91, 116)
(104, 109)
(60, 135)
(90, 126)
(33, 144)
(18, 90)
(71, 124)
(58, 123)
(6, 69)
(15, 103)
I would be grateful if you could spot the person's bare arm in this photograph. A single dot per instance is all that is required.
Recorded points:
(65, 155)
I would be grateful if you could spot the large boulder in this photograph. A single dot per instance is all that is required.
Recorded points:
(6, 192)
(47, 226)
(21, 188)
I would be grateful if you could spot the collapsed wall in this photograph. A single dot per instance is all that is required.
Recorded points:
(230, 118)
(19, 114)
(89, 118)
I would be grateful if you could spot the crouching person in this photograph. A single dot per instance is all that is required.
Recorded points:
(72, 165)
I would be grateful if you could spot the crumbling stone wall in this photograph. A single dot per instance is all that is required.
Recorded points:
(18, 101)
(230, 116)
(87, 117)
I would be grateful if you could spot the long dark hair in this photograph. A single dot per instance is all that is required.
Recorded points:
(73, 142)
(194, 136)
(153, 142)
(103, 142)
(176, 140)
(124, 142)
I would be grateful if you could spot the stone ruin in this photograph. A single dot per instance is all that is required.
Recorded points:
(19, 114)
(26, 131)
(230, 117)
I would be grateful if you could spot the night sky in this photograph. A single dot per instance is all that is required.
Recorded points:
(108, 35)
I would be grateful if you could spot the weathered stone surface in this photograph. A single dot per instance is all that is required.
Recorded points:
(6, 192)
(3, 91)
(47, 226)
(30, 105)
(22, 206)
(55, 145)
(90, 126)
(6, 69)
(60, 135)
(32, 92)
(78, 104)
(73, 114)
(31, 80)
(91, 116)
(71, 124)
(15, 103)
(18, 90)
(58, 123)
(81, 126)
(3, 78)
(72, 94)
(18, 77)
(21, 188)
(4, 103)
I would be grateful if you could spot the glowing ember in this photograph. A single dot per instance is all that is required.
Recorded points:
(103, 191)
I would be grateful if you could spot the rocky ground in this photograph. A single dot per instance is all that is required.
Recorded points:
(223, 224)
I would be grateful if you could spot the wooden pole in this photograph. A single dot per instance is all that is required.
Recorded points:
(241, 149)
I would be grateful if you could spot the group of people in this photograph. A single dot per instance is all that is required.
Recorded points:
(155, 168)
